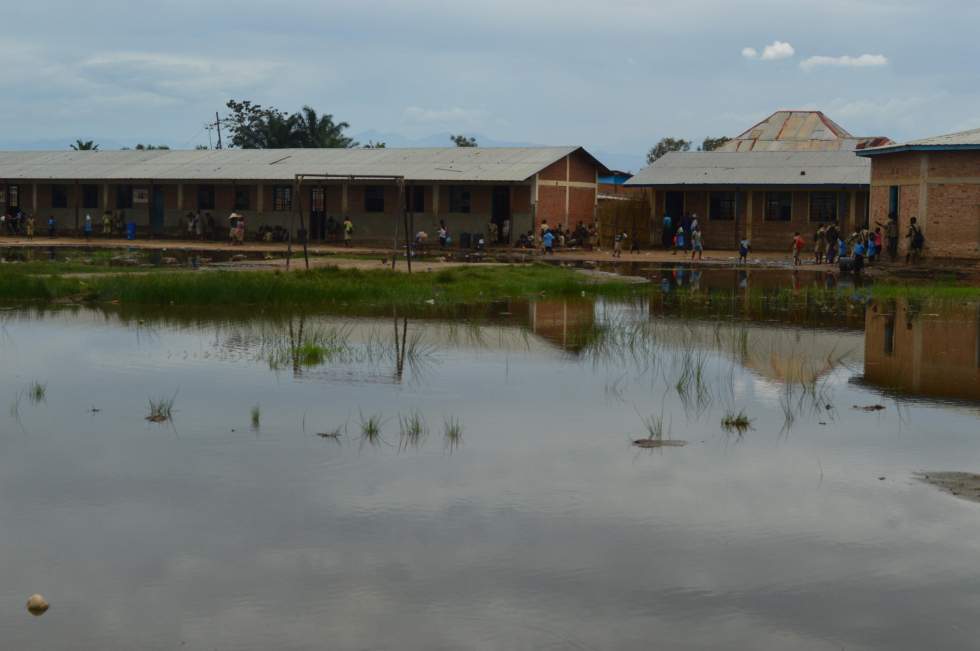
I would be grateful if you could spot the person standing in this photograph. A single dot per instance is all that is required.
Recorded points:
(697, 244)
(87, 227)
(30, 226)
(505, 231)
(618, 245)
(819, 244)
(679, 240)
(798, 245)
(106, 224)
(830, 237)
(348, 231)
(443, 234)
(891, 236)
(916, 242)
(667, 236)
(549, 242)
(52, 226)
(743, 250)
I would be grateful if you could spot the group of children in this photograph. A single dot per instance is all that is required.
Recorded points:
(829, 244)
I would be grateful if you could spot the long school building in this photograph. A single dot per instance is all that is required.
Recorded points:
(465, 187)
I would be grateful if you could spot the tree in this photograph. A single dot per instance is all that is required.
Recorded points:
(142, 147)
(200, 147)
(667, 145)
(85, 145)
(375, 145)
(320, 131)
(711, 144)
(248, 123)
(281, 131)
(463, 141)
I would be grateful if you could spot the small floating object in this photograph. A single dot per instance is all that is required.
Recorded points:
(37, 605)
(869, 407)
(659, 443)
(328, 435)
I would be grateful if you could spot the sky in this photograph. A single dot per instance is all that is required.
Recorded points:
(613, 76)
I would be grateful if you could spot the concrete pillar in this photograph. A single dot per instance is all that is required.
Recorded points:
(568, 189)
(105, 197)
(344, 198)
(34, 198)
(180, 197)
(435, 199)
(259, 198)
(852, 221)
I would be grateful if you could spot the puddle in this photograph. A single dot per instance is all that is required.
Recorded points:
(467, 476)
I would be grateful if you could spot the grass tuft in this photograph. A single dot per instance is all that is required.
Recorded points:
(162, 410)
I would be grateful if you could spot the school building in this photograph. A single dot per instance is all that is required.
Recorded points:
(936, 180)
(791, 172)
(465, 187)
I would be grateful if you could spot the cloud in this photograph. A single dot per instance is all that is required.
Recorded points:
(863, 61)
(772, 52)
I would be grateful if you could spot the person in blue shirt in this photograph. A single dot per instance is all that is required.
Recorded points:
(667, 237)
(841, 248)
(679, 240)
(859, 252)
(549, 242)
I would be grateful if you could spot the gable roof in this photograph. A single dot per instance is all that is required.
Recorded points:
(962, 140)
(798, 131)
(490, 164)
(759, 168)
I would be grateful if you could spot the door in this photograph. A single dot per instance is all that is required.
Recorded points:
(156, 212)
(318, 213)
(500, 208)
(674, 205)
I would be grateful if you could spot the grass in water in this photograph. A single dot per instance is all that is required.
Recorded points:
(37, 392)
(453, 433)
(658, 435)
(738, 423)
(371, 429)
(414, 430)
(256, 416)
(161, 410)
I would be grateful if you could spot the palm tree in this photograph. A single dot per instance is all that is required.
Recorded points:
(85, 145)
(320, 131)
(281, 131)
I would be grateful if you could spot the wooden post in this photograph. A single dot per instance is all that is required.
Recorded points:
(408, 234)
(298, 197)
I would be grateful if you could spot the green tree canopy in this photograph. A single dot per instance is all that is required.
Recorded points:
(711, 144)
(463, 141)
(254, 126)
(667, 145)
(85, 145)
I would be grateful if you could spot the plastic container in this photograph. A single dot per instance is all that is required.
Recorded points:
(131, 230)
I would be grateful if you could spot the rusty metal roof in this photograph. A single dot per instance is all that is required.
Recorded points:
(759, 168)
(471, 164)
(798, 131)
(962, 140)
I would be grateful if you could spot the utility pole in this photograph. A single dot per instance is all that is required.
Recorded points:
(217, 123)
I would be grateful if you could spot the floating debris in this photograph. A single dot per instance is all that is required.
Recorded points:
(869, 407)
(37, 605)
(659, 443)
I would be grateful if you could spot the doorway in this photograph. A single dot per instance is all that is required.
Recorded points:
(500, 210)
(674, 205)
(318, 213)
(157, 211)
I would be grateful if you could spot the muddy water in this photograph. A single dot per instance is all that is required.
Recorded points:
(539, 527)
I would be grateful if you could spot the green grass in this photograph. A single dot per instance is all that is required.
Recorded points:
(256, 414)
(453, 433)
(317, 287)
(414, 430)
(736, 422)
(37, 392)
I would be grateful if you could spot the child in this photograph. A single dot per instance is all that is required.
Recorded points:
(618, 245)
(52, 226)
(549, 242)
(743, 251)
(30, 226)
(798, 245)
(841, 248)
(679, 240)
(697, 248)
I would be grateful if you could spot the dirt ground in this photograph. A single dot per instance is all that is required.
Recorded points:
(961, 484)
(373, 255)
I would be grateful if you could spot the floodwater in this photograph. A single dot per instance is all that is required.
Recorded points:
(539, 525)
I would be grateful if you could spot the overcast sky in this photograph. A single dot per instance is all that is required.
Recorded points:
(614, 76)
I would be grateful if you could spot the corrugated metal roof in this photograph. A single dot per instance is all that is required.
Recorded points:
(796, 131)
(492, 164)
(952, 141)
(756, 168)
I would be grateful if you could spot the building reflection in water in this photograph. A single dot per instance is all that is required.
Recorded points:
(930, 352)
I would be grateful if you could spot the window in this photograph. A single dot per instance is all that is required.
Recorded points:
(59, 196)
(893, 200)
(124, 196)
(243, 199)
(721, 206)
(374, 198)
(823, 206)
(779, 206)
(90, 196)
(282, 198)
(459, 199)
(414, 199)
(13, 196)
(205, 197)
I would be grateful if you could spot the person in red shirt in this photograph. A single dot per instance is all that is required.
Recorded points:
(798, 245)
